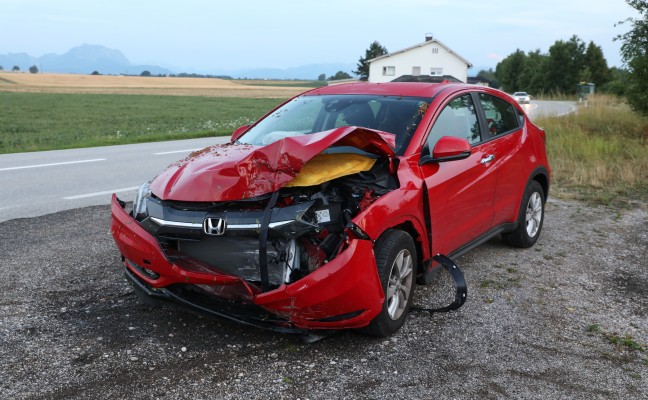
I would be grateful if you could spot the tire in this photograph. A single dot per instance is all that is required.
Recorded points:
(530, 218)
(396, 260)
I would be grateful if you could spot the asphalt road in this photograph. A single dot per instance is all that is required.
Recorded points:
(39, 183)
(539, 108)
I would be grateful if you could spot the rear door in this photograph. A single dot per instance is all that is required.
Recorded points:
(504, 138)
(460, 193)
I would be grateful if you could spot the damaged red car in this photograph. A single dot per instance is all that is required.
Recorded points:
(325, 213)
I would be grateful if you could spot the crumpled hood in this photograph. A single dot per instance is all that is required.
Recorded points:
(240, 171)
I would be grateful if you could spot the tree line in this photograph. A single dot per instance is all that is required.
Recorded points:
(566, 64)
(33, 69)
(570, 62)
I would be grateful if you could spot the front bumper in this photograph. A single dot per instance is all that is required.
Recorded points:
(344, 293)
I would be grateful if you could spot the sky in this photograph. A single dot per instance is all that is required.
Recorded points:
(199, 36)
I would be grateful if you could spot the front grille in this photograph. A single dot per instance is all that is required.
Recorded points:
(232, 255)
(234, 249)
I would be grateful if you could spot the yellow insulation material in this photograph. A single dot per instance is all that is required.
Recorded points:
(326, 167)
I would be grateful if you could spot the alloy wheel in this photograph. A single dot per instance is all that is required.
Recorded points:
(534, 214)
(400, 284)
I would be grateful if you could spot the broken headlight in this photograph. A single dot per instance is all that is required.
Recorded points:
(139, 205)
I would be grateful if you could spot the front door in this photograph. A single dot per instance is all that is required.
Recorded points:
(460, 193)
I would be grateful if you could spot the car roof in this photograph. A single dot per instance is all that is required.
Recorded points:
(409, 89)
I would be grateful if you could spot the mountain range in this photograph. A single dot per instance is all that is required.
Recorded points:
(87, 58)
(82, 59)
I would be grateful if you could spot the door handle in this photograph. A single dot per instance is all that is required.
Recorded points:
(487, 159)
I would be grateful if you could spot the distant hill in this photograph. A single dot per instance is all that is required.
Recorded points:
(87, 58)
(82, 59)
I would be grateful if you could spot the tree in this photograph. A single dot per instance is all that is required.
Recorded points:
(33, 69)
(534, 73)
(145, 73)
(597, 66)
(321, 77)
(634, 52)
(15, 68)
(339, 75)
(375, 50)
(1, 69)
(565, 64)
(618, 84)
(509, 71)
(95, 73)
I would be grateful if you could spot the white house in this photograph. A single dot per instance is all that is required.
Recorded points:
(428, 58)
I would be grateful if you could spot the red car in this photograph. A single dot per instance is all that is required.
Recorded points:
(325, 213)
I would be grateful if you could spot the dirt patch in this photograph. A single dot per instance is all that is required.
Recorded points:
(538, 323)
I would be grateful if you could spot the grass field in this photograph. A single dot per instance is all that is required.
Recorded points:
(166, 86)
(599, 153)
(48, 121)
(274, 83)
(57, 111)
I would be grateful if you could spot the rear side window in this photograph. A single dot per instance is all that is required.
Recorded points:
(500, 115)
(457, 119)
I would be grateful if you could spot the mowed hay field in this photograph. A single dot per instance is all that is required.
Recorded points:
(58, 111)
(166, 86)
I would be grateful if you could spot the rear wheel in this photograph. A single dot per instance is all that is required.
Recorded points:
(396, 260)
(530, 218)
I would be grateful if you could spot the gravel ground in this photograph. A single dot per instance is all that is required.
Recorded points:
(560, 320)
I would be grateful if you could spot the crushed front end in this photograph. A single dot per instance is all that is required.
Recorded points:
(290, 260)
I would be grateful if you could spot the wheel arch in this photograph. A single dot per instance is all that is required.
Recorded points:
(409, 228)
(541, 175)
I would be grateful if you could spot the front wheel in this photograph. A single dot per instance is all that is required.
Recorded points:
(396, 260)
(530, 218)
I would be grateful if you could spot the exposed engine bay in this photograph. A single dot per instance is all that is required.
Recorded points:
(277, 238)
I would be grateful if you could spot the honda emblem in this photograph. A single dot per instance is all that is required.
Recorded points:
(214, 226)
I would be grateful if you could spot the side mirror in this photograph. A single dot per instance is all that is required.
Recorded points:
(448, 148)
(238, 132)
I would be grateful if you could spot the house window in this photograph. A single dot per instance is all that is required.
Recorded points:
(435, 50)
(416, 71)
(389, 71)
(436, 71)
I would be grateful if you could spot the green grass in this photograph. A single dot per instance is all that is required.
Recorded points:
(276, 83)
(621, 341)
(48, 121)
(599, 153)
(625, 341)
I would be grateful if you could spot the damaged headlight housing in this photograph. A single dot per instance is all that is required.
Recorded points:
(139, 205)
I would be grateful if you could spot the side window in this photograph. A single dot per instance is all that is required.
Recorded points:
(458, 119)
(500, 115)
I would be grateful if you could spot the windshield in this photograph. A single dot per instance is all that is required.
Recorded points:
(310, 114)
